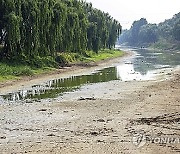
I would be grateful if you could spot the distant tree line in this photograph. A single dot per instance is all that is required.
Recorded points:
(32, 28)
(142, 33)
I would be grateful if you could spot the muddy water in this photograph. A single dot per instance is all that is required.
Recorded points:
(143, 66)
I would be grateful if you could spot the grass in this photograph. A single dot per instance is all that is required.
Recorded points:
(10, 72)
(103, 54)
(89, 56)
(46, 65)
(43, 70)
(8, 77)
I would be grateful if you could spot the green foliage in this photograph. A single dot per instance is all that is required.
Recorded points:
(40, 62)
(103, 30)
(165, 35)
(140, 33)
(18, 70)
(45, 65)
(162, 44)
(89, 56)
(148, 33)
(66, 58)
(15, 71)
(102, 55)
(166, 45)
(135, 29)
(30, 30)
(176, 31)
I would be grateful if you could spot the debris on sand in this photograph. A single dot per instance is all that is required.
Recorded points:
(87, 98)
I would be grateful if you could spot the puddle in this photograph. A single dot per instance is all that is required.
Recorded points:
(55, 88)
(142, 67)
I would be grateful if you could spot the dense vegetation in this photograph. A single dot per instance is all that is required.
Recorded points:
(164, 35)
(38, 30)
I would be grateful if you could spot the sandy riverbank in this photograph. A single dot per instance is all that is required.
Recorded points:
(97, 124)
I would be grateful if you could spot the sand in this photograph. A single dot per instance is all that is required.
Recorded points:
(134, 117)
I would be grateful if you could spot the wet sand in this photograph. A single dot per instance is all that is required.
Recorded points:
(98, 119)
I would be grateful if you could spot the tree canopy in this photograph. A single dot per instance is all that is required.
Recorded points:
(176, 30)
(139, 33)
(143, 33)
(29, 29)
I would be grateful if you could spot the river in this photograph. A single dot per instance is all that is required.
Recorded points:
(144, 65)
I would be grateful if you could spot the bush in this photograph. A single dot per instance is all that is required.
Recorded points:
(66, 58)
(40, 62)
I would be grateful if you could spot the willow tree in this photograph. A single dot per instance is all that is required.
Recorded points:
(39, 28)
(176, 30)
(103, 30)
(10, 28)
(55, 38)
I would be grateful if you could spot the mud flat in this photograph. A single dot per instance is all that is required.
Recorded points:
(107, 117)
(125, 117)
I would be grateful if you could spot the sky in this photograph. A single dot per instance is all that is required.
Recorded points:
(127, 11)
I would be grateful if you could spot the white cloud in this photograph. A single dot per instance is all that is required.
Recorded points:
(126, 11)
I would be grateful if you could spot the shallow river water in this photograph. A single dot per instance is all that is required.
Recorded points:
(142, 66)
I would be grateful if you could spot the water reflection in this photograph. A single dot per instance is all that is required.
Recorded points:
(127, 73)
(141, 67)
(57, 87)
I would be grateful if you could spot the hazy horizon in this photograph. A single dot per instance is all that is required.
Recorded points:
(155, 11)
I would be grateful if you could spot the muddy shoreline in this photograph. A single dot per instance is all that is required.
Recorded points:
(64, 72)
(105, 120)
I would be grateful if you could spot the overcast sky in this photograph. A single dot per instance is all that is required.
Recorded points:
(127, 11)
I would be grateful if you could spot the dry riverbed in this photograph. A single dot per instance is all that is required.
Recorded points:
(114, 117)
